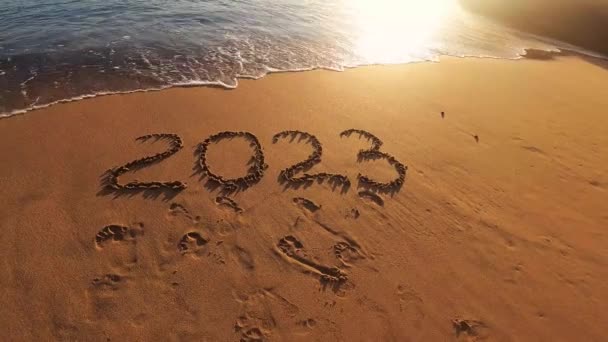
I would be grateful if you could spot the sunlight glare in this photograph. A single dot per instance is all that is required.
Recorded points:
(390, 30)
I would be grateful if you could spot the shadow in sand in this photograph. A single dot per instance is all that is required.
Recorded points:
(374, 154)
(151, 190)
(287, 176)
(227, 187)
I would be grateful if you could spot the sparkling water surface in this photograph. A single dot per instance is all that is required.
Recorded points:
(52, 50)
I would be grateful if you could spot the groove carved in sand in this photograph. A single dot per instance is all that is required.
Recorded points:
(255, 172)
(374, 153)
(287, 176)
(368, 195)
(290, 247)
(112, 175)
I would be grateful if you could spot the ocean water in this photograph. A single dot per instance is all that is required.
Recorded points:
(55, 50)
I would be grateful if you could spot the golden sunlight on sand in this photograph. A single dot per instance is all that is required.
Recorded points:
(498, 232)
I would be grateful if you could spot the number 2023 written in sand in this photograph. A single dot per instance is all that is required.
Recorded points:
(293, 176)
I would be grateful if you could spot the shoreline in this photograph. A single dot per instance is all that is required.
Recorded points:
(580, 23)
(501, 212)
(532, 54)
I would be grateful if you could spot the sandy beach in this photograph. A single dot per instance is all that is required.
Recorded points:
(580, 22)
(498, 232)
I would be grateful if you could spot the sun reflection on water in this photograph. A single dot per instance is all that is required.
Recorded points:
(389, 30)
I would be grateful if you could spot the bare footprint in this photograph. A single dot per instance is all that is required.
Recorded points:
(354, 213)
(306, 204)
(117, 245)
(112, 232)
(257, 314)
(176, 209)
(191, 242)
(244, 258)
(253, 335)
(370, 196)
(292, 248)
(228, 202)
(255, 322)
(307, 323)
(107, 282)
(411, 305)
(104, 296)
(347, 253)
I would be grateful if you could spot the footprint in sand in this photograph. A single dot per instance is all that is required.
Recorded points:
(177, 209)
(253, 335)
(370, 196)
(347, 254)
(123, 240)
(259, 312)
(244, 258)
(103, 296)
(255, 322)
(411, 305)
(107, 282)
(354, 213)
(112, 232)
(291, 248)
(307, 323)
(228, 203)
(306, 204)
(191, 242)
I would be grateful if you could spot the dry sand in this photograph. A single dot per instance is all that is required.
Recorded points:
(503, 238)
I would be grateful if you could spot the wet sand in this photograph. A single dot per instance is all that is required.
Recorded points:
(581, 23)
(486, 221)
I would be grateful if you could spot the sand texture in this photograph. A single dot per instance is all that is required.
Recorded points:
(578, 22)
(315, 206)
